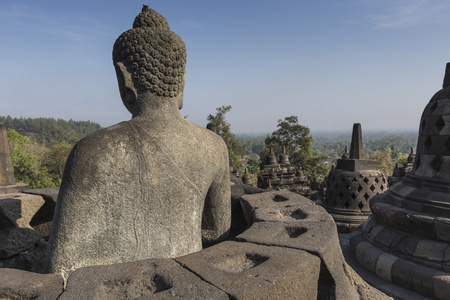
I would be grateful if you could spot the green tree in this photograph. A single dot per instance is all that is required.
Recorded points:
(223, 128)
(48, 131)
(384, 159)
(253, 165)
(55, 160)
(297, 140)
(27, 167)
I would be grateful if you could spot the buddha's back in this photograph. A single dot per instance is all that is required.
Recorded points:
(153, 186)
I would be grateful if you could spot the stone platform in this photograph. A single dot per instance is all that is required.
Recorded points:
(382, 286)
(290, 250)
(13, 188)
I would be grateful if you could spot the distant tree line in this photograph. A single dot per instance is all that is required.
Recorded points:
(39, 147)
(388, 148)
(49, 131)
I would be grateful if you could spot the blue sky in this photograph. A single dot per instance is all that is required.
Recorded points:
(331, 63)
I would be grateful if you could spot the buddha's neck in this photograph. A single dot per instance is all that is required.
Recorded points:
(157, 110)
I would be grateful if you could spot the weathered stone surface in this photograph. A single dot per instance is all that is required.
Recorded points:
(274, 199)
(16, 240)
(420, 250)
(16, 212)
(6, 168)
(238, 190)
(146, 279)
(23, 285)
(154, 186)
(419, 278)
(238, 221)
(249, 271)
(32, 260)
(49, 194)
(317, 234)
(15, 188)
(42, 220)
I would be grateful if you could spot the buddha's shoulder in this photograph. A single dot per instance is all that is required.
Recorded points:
(206, 135)
(107, 138)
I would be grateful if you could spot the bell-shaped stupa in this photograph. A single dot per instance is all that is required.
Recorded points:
(352, 184)
(407, 239)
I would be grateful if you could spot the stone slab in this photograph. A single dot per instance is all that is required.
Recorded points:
(274, 199)
(16, 240)
(42, 220)
(16, 213)
(23, 285)
(49, 194)
(146, 279)
(249, 271)
(317, 234)
(17, 210)
(15, 188)
(384, 266)
(32, 260)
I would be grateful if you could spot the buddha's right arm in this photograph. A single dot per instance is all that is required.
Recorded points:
(217, 211)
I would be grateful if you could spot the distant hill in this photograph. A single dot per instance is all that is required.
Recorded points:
(49, 131)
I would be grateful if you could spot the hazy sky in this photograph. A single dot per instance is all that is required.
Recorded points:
(331, 63)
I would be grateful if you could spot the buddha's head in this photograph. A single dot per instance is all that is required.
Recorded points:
(150, 59)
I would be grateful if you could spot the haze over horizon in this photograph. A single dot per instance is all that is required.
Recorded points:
(331, 63)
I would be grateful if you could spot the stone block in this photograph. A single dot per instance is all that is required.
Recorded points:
(408, 245)
(49, 194)
(15, 188)
(23, 285)
(146, 279)
(238, 221)
(238, 190)
(308, 228)
(441, 285)
(430, 250)
(356, 240)
(315, 234)
(42, 220)
(384, 266)
(385, 237)
(30, 260)
(286, 214)
(17, 210)
(249, 271)
(442, 229)
(16, 240)
(402, 273)
(282, 199)
(370, 258)
(361, 249)
(422, 280)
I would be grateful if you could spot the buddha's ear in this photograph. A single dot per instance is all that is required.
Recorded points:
(126, 86)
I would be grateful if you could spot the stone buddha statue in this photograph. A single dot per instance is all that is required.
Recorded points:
(154, 186)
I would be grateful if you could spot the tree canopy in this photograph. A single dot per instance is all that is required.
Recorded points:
(48, 131)
(297, 140)
(27, 166)
(223, 128)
